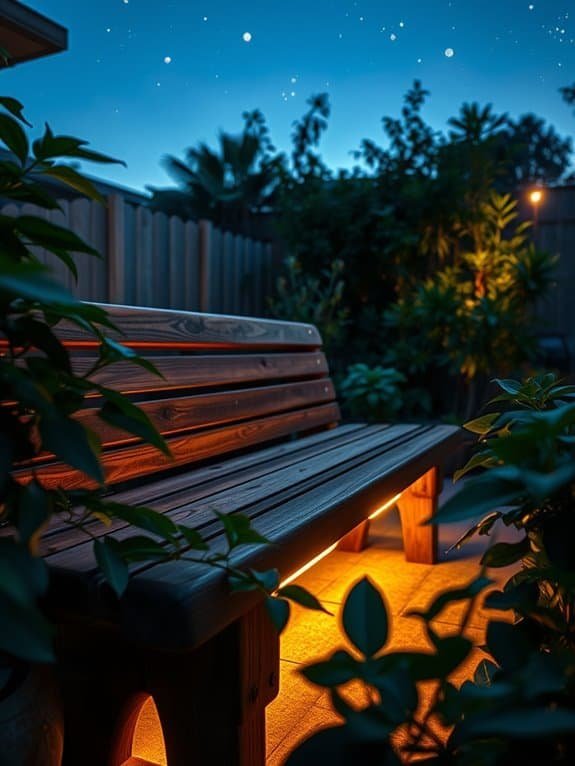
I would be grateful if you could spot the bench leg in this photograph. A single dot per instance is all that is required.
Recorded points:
(416, 505)
(100, 712)
(356, 540)
(211, 702)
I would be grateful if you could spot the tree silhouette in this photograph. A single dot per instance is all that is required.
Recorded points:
(226, 185)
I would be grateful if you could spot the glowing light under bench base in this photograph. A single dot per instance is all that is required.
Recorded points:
(312, 562)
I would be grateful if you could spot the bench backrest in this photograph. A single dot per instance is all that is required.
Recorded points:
(229, 383)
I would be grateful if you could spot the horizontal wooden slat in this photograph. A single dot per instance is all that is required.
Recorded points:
(194, 506)
(208, 410)
(166, 494)
(180, 372)
(182, 604)
(163, 328)
(197, 600)
(142, 460)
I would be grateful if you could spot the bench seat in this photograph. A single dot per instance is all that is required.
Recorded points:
(250, 415)
(304, 496)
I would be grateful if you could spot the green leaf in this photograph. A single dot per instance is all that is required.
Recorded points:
(39, 335)
(71, 443)
(484, 673)
(138, 516)
(508, 645)
(33, 513)
(452, 651)
(238, 530)
(193, 538)
(303, 597)
(48, 235)
(12, 135)
(74, 180)
(483, 527)
(121, 413)
(112, 351)
(51, 146)
(25, 631)
(23, 577)
(31, 281)
(484, 459)
(113, 566)
(509, 386)
(483, 424)
(505, 554)
(520, 723)
(478, 497)
(340, 668)
(140, 548)
(268, 580)
(15, 108)
(279, 611)
(365, 619)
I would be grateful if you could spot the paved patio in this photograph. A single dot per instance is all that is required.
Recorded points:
(300, 708)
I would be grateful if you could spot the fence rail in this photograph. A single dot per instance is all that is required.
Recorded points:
(152, 259)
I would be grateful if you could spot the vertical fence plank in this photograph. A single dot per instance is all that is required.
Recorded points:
(215, 286)
(160, 288)
(227, 273)
(205, 231)
(152, 260)
(116, 255)
(60, 271)
(256, 280)
(176, 264)
(236, 306)
(143, 258)
(130, 256)
(192, 266)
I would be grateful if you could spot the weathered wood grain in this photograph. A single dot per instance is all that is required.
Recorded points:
(181, 372)
(170, 493)
(257, 498)
(266, 488)
(208, 410)
(163, 328)
(143, 460)
(417, 504)
(301, 528)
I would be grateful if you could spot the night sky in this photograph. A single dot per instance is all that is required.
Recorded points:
(143, 78)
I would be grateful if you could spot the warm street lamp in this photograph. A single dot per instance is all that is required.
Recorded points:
(536, 197)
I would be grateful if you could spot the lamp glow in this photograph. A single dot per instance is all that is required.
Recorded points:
(385, 506)
(312, 562)
(536, 196)
(308, 565)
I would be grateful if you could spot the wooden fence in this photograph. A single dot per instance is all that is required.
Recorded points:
(152, 259)
(554, 231)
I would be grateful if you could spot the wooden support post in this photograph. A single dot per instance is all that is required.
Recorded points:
(356, 540)
(116, 249)
(211, 702)
(205, 252)
(101, 708)
(417, 504)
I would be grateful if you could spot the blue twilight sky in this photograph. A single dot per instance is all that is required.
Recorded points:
(146, 77)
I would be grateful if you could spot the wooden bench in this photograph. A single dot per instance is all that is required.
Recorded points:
(235, 395)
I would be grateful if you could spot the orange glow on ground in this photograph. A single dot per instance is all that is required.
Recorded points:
(312, 562)
(148, 736)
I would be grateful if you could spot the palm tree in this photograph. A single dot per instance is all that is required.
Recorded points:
(226, 185)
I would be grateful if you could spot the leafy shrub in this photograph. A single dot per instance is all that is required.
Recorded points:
(41, 394)
(519, 707)
(527, 454)
(373, 393)
(314, 300)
